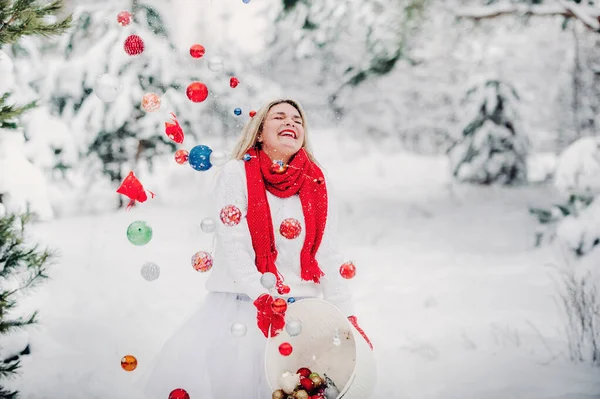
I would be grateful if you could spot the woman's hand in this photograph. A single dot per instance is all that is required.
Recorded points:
(354, 322)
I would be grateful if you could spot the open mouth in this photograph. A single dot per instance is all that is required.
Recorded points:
(288, 133)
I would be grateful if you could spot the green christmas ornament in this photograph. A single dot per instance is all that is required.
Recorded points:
(139, 233)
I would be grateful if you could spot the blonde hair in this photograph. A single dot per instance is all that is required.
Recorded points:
(252, 129)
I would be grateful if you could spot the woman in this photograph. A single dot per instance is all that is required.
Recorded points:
(287, 227)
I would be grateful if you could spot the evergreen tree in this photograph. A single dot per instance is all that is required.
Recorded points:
(21, 266)
(492, 149)
(342, 44)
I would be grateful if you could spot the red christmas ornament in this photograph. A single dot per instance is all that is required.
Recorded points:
(348, 270)
(179, 394)
(197, 51)
(181, 156)
(134, 45)
(284, 290)
(173, 130)
(252, 113)
(285, 349)
(307, 384)
(279, 305)
(290, 228)
(231, 215)
(278, 167)
(132, 188)
(197, 92)
(304, 372)
(233, 82)
(124, 18)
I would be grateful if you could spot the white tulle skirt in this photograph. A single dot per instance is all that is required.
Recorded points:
(207, 360)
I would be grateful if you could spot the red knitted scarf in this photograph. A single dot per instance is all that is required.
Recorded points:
(302, 177)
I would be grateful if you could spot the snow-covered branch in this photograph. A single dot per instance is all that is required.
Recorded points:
(589, 15)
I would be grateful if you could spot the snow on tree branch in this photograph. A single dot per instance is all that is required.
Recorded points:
(589, 15)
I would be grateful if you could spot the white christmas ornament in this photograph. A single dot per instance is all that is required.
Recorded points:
(208, 225)
(289, 381)
(238, 330)
(218, 158)
(215, 64)
(107, 88)
(150, 271)
(293, 328)
(268, 280)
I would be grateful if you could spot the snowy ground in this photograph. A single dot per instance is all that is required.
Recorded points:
(457, 303)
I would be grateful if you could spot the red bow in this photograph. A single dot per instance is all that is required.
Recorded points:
(266, 318)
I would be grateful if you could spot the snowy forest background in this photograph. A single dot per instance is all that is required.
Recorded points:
(461, 134)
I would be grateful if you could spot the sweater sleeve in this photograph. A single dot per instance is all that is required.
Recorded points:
(335, 288)
(234, 243)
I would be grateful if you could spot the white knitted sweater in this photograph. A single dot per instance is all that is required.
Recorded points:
(234, 269)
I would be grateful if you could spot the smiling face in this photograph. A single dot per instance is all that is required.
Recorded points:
(282, 133)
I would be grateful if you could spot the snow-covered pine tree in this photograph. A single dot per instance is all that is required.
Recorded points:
(22, 266)
(97, 88)
(333, 46)
(492, 149)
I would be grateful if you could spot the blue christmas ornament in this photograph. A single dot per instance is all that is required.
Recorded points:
(199, 158)
(245, 1)
(247, 157)
(237, 111)
(291, 300)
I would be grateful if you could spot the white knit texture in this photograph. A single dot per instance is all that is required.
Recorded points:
(234, 269)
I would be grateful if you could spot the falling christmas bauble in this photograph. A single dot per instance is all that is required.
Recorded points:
(134, 45)
(290, 228)
(107, 87)
(2, 210)
(208, 225)
(348, 270)
(129, 363)
(245, 1)
(278, 167)
(285, 349)
(247, 157)
(202, 261)
(237, 111)
(291, 300)
(199, 158)
(151, 102)
(218, 158)
(283, 289)
(279, 305)
(268, 280)
(139, 233)
(179, 394)
(233, 82)
(124, 18)
(181, 156)
(230, 215)
(215, 64)
(238, 330)
(197, 51)
(150, 271)
(252, 113)
(293, 327)
(197, 92)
